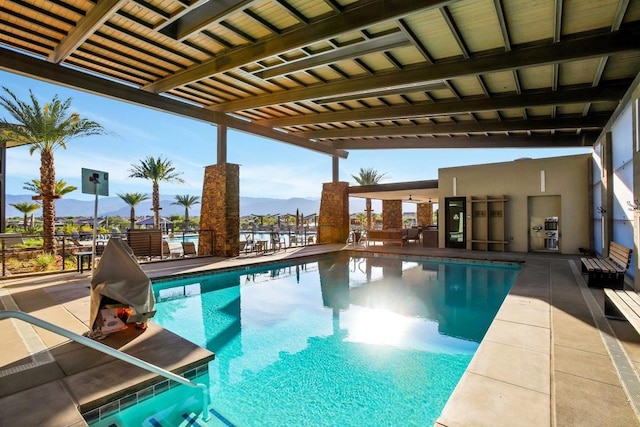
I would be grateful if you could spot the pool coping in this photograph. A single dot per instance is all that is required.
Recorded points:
(512, 366)
(570, 397)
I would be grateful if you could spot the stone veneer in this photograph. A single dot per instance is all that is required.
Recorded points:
(333, 221)
(391, 214)
(424, 214)
(220, 210)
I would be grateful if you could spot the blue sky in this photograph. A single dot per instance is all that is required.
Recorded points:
(267, 168)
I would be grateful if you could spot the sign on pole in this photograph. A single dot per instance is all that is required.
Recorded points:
(95, 182)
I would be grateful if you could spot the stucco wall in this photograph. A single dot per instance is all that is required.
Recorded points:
(567, 177)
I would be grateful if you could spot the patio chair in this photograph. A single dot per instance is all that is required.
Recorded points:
(277, 242)
(260, 246)
(167, 252)
(248, 244)
(189, 249)
(411, 234)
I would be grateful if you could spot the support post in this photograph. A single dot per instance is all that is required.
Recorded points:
(220, 210)
(222, 145)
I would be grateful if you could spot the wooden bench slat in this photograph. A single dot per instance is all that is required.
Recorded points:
(626, 305)
(608, 271)
(634, 296)
(631, 304)
(588, 264)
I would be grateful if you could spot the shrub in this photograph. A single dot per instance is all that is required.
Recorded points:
(45, 260)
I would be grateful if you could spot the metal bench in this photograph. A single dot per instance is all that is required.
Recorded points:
(608, 272)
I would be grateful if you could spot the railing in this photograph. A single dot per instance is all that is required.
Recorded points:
(357, 238)
(292, 236)
(67, 245)
(6, 314)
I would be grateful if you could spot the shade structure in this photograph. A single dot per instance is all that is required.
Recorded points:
(149, 221)
(118, 277)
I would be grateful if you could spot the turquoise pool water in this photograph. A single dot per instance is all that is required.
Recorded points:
(335, 341)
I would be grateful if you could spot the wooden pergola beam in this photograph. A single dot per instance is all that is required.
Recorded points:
(503, 141)
(351, 20)
(583, 122)
(560, 97)
(585, 47)
(53, 73)
(85, 28)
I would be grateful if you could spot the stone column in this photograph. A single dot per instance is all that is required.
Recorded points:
(391, 214)
(424, 214)
(220, 210)
(333, 222)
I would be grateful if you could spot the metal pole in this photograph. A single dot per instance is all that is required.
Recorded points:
(95, 227)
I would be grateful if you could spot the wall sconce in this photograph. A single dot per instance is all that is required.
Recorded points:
(635, 206)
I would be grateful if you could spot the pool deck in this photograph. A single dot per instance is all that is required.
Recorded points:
(547, 359)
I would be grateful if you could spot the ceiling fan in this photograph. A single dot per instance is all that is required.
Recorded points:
(411, 199)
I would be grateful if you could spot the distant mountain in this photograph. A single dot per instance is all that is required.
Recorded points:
(114, 206)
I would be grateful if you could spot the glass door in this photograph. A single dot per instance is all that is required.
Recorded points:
(455, 222)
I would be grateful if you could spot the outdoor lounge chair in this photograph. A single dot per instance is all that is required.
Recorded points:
(189, 249)
(411, 234)
(167, 251)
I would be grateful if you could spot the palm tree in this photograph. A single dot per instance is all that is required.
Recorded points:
(156, 170)
(187, 201)
(46, 128)
(132, 199)
(26, 208)
(368, 176)
(60, 190)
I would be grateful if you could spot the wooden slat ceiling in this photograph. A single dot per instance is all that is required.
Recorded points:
(339, 75)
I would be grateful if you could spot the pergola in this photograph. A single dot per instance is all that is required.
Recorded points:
(335, 75)
(340, 75)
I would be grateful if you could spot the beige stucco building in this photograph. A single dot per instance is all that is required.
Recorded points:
(501, 206)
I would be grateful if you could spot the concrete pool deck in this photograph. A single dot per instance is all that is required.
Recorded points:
(543, 362)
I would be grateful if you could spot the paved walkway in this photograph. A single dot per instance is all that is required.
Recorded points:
(543, 362)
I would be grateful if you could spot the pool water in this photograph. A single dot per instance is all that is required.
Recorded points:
(335, 341)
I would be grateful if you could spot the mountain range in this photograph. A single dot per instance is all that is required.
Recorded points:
(114, 206)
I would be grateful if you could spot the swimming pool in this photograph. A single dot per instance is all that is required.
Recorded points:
(336, 340)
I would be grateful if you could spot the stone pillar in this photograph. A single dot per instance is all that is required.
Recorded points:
(333, 222)
(424, 214)
(391, 214)
(220, 210)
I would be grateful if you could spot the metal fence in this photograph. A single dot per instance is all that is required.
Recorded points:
(22, 253)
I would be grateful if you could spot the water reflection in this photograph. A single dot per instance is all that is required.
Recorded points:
(461, 298)
(308, 332)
